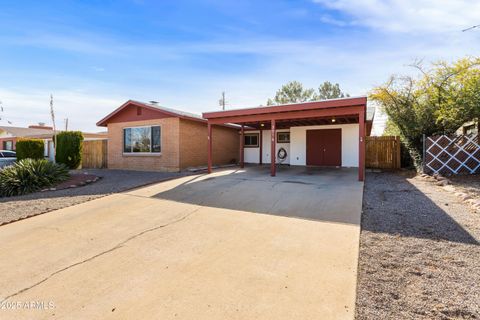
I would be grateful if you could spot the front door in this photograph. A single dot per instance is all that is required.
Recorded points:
(324, 147)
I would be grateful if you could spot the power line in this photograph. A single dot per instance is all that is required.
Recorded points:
(478, 25)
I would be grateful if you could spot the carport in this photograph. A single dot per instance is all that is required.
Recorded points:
(324, 131)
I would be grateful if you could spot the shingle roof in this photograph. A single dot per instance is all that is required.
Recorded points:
(170, 111)
(25, 132)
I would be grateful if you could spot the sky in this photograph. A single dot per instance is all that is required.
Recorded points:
(94, 55)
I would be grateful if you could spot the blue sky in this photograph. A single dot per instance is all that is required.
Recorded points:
(94, 55)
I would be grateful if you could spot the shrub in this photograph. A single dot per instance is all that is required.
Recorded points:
(69, 148)
(30, 149)
(30, 175)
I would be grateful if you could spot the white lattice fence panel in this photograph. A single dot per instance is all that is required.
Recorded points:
(452, 154)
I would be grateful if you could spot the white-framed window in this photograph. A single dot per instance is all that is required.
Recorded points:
(8, 145)
(283, 137)
(250, 140)
(142, 139)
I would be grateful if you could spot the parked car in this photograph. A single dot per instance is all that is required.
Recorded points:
(7, 157)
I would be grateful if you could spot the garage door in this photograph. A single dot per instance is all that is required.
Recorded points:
(324, 147)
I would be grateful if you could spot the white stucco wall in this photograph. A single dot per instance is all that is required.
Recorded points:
(297, 148)
(350, 139)
(252, 155)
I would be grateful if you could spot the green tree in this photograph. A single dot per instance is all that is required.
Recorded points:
(328, 90)
(294, 92)
(444, 97)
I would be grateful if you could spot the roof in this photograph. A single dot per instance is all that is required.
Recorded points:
(302, 106)
(25, 132)
(168, 111)
(321, 104)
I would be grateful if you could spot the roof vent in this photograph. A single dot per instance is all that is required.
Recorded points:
(153, 102)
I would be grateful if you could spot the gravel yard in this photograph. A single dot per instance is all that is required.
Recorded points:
(469, 184)
(15, 208)
(419, 252)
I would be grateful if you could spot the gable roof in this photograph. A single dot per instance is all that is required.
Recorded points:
(25, 132)
(155, 107)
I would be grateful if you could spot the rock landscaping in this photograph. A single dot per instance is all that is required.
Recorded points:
(419, 250)
(458, 191)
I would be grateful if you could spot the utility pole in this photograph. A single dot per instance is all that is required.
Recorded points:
(52, 113)
(66, 124)
(222, 102)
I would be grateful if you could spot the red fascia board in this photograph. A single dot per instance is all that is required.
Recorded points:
(362, 101)
(325, 112)
(104, 121)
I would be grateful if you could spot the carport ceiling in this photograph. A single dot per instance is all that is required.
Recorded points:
(285, 124)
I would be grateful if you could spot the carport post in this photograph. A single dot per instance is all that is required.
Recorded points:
(242, 140)
(272, 149)
(261, 146)
(209, 127)
(361, 145)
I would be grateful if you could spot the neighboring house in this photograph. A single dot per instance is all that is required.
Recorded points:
(320, 133)
(10, 135)
(49, 145)
(146, 136)
(470, 127)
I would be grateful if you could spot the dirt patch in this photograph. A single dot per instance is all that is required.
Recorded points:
(419, 252)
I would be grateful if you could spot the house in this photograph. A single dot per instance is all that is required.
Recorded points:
(320, 133)
(147, 136)
(470, 127)
(9, 135)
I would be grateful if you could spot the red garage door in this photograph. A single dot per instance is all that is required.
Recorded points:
(324, 147)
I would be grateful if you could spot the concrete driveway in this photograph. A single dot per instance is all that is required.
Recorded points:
(236, 244)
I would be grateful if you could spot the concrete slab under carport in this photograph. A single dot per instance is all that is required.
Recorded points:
(142, 254)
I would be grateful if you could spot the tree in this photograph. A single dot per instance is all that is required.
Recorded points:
(439, 101)
(328, 90)
(294, 92)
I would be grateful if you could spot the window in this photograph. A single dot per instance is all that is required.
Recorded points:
(142, 140)
(9, 154)
(283, 137)
(8, 145)
(250, 140)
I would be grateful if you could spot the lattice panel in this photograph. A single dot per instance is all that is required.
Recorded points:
(452, 154)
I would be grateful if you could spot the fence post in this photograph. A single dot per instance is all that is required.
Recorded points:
(423, 154)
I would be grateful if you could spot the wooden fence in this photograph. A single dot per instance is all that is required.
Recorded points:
(382, 152)
(94, 154)
(452, 154)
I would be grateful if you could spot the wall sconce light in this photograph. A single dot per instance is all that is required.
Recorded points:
(333, 120)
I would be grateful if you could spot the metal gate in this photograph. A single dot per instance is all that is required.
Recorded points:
(452, 154)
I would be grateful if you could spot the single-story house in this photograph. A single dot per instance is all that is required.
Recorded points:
(320, 133)
(470, 127)
(147, 136)
(10, 135)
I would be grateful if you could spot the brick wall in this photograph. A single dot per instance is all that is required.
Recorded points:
(194, 144)
(168, 160)
(13, 139)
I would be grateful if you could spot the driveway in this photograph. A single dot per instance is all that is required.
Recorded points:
(236, 244)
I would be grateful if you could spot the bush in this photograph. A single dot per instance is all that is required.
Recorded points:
(69, 148)
(30, 149)
(30, 175)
